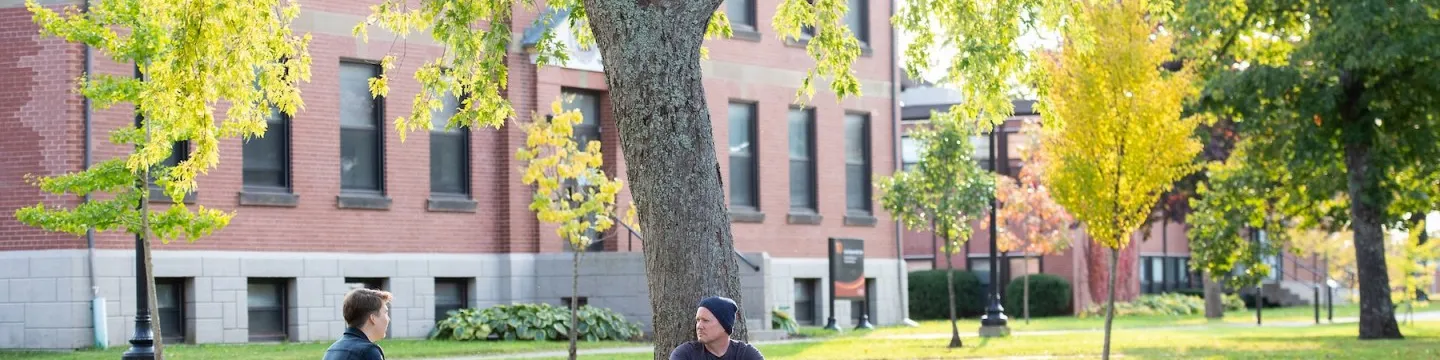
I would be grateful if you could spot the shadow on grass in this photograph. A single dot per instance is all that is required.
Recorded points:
(1292, 347)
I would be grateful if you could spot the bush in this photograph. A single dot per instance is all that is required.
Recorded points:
(538, 322)
(1233, 302)
(1171, 304)
(929, 299)
(1049, 296)
(779, 319)
(1197, 292)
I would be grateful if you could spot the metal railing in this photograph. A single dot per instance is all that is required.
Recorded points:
(633, 234)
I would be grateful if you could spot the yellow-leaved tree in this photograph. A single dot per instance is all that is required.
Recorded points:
(190, 57)
(570, 189)
(1115, 139)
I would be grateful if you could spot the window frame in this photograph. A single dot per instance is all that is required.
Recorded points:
(282, 310)
(463, 134)
(811, 157)
(753, 171)
(377, 116)
(867, 206)
(286, 173)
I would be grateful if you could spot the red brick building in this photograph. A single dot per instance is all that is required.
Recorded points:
(332, 199)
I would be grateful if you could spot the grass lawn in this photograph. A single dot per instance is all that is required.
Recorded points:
(1324, 342)
(394, 349)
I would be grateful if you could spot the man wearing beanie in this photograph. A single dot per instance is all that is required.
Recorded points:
(714, 320)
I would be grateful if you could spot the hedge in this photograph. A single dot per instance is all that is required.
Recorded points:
(1049, 296)
(929, 298)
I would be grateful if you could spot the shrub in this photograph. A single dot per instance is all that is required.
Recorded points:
(538, 322)
(1233, 302)
(1196, 292)
(1049, 296)
(1171, 304)
(929, 299)
(779, 319)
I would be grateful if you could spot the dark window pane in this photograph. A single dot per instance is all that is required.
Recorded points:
(742, 181)
(741, 13)
(800, 120)
(742, 155)
(439, 119)
(359, 160)
(801, 179)
(450, 294)
(265, 302)
(266, 158)
(357, 106)
(448, 163)
(857, 188)
(855, 19)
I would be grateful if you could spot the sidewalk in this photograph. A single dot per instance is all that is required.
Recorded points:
(1419, 316)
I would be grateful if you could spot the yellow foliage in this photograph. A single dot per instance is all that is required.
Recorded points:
(571, 190)
(1116, 138)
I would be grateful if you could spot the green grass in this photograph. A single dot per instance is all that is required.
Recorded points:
(394, 349)
(1230, 342)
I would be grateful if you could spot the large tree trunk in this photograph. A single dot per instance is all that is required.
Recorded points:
(652, 66)
(1377, 314)
(1110, 303)
(1214, 299)
(950, 287)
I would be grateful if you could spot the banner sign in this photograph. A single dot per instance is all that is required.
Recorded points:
(847, 269)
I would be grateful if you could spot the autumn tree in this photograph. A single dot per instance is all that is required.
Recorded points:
(191, 58)
(1241, 199)
(945, 188)
(1032, 222)
(571, 190)
(1343, 118)
(1115, 137)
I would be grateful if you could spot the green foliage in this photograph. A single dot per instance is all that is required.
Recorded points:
(946, 188)
(1049, 295)
(1241, 196)
(779, 319)
(194, 56)
(1148, 305)
(833, 46)
(537, 322)
(929, 299)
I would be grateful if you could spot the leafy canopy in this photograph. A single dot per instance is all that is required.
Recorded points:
(1112, 116)
(1030, 220)
(193, 56)
(571, 190)
(946, 187)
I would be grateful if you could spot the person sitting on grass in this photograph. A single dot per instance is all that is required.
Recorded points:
(714, 321)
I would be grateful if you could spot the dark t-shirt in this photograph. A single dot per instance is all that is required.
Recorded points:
(696, 351)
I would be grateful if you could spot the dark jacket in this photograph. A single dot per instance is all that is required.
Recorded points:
(354, 345)
(694, 350)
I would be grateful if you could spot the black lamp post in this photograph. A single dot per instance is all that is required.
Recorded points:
(142, 345)
(994, 314)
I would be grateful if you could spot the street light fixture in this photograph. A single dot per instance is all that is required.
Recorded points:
(142, 345)
(993, 324)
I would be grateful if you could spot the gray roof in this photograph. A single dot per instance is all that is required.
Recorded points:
(922, 112)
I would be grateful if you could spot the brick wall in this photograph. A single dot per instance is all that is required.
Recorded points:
(764, 70)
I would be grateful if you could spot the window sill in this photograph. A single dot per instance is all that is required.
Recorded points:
(745, 35)
(158, 195)
(747, 216)
(454, 204)
(863, 220)
(803, 218)
(362, 201)
(266, 198)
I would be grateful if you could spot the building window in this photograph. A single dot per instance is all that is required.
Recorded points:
(361, 136)
(170, 306)
(588, 104)
(1165, 274)
(368, 283)
(802, 160)
(266, 160)
(867, 306)
(565, 301)
(265, 300)
(857, 164)
(857, 19)
(744, 192)
(982, 151)
(179, 151)
(909, 152)
(742, 14)
(806, 301)
(450, 295)
(449, 153)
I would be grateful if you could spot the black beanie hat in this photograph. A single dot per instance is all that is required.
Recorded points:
(724, 310)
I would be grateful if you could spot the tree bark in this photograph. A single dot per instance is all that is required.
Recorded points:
(1214, 299)
(1377, 314)
(1110, 304)
(1026, 297)
(950, 287)
(652, 67)
(574, 300)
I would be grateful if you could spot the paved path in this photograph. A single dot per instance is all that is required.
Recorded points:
(1419, 316)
